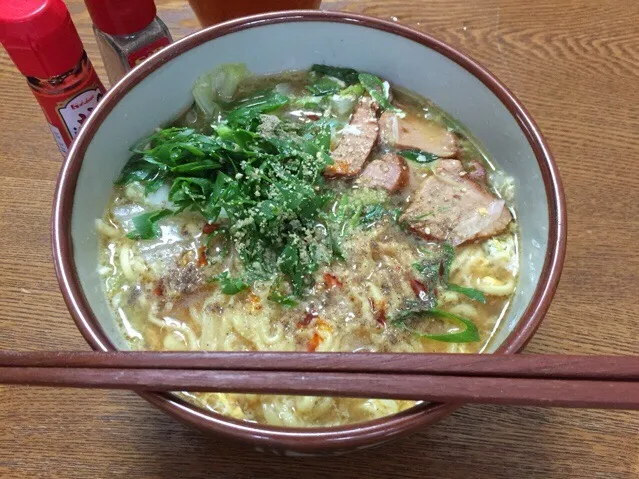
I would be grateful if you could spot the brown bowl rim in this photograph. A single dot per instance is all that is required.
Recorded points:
(309, 440)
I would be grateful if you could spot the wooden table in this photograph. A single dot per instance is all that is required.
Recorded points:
(574, 64)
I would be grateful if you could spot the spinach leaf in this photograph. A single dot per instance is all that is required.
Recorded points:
(418, 156)
(145, 225)
(472, 293)
(229, 284)
(347, 75)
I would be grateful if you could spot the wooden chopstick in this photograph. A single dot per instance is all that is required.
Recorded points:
(562, 381)
(499, 365)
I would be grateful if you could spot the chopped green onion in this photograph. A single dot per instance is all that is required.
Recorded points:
(469, 334)
(472, 293)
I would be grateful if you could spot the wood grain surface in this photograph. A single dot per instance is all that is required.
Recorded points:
(574, 64)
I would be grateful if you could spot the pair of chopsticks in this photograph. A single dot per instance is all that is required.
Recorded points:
(539, 380)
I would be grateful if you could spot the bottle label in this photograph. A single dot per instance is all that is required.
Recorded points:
(77, 109)
(66, 112)
(146, 51)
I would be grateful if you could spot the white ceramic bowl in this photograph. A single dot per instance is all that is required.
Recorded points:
(156, 91)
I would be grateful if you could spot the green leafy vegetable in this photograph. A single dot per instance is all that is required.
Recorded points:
(270, 190)
(472, 293)
(324, 86)
(224, 233)
(229, 284)
(195, 166)
(435, 267)
(254, 106)
(395, 214)
(447, 261)
(320, 132)
(168, 152)
(347, 75)
(355, 91)
(260, 177)
(346, 215)
(310, 102)
(149, 174)
(292, 265)
(418, 156)
(187, 192)
(277, 296)
(428, 269)
(146, 225)
(343, 103)
(218, 87)
(379, 91)
(372, 214)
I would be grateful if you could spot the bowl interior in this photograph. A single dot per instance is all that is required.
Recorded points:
(276, 47)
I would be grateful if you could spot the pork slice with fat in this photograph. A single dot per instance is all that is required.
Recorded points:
(416, 133)
(449, 206)
(358, 139)
(390, 172)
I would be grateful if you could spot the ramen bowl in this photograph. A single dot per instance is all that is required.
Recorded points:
(154, 92)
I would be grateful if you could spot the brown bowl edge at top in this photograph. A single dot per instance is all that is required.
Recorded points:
(306, 440)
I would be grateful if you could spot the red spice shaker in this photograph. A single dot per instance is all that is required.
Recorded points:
(42, 41)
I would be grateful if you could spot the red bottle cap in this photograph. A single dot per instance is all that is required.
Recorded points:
(39, 36)
(121, 17)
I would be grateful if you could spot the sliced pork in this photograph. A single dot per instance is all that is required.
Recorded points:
(412, 132)
(477, 172)
(449, 206)
(389, 172)
(358, 139)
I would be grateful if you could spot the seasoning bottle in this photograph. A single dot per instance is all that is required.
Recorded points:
(127, 32)
(42, 41)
